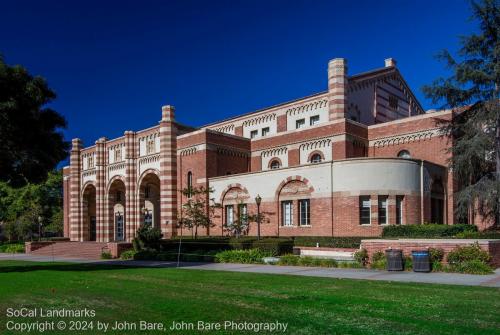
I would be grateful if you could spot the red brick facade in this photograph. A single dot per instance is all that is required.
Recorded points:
(365, 138)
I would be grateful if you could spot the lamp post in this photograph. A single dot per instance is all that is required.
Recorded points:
(39, 227)
(258, 200)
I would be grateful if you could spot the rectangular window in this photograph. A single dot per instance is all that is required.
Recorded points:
(265, 131)
(382, 210)
(399, 209)
(254, 133)
(364, 210)
(393, 102)
(287, 213)
(242, 208)
(229, 215)
(150, 147)
(304, 212)
(90, 162)
(300, 123)
(314, 120)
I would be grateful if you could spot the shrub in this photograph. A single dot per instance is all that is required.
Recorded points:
(146, 238)
(329, 242)
(350, 265)
(426, 230)
(468, 253)
(479, 234)
(436, 255)
(289, 260)
(249, 256)
(307, 261)
(275, 246)
(408, 263)
(106, 255)
(361, 256)
(14, 248)
(378, 261)
(474, 266)
(146, 255)
(189, 245)
(127, 255)
(242, 243)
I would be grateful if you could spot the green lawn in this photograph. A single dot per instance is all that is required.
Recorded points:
(308, 305)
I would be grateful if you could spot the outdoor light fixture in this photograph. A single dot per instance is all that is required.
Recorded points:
(258, 200)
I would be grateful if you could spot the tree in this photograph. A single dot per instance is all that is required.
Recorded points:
(147, 238)
(473, 92)
(31, 143)
(241, 224)
(198, 209)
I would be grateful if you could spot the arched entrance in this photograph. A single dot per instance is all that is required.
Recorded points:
(116, 209)
(149, 200)
(89, 228)
(437, 202)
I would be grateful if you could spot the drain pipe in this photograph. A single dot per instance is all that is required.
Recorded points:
(421, 192)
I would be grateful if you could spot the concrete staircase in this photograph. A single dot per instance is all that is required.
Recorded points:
(80, 250)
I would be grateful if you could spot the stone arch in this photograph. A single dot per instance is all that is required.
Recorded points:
(316, 152)
(148, 199)
(274, 159)
(116, 209)
(89, 212)
(232, 187)
(291, 179)
(114, 179)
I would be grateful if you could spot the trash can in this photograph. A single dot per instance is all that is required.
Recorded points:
(421, 261)
(394, 259)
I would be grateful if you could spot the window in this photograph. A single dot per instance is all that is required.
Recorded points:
(399, 209)
(118, 155)
(90, 162)
(275, 164)
(364, 210)
(304, 212)
(265, 131)
(300, 123)
(314, 120)
(242, 213)
(146, 192)
(229, 215)
(150, 146)
(254, 133)
(404, 154)
(316, 158)
(393, 102)
(148, 218)
(118, 196)
(190, 184)
(382, 210)
(287, 213)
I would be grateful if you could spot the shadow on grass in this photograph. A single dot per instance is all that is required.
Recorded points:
(97, 266)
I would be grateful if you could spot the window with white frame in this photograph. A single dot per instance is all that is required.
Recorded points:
(316, 158)
(265, 131)
(304, 212)
(314, 120)
(364, 210)
(275, 164)
(300, 123)
(287, 213)
(150, 146)
(90, 162)
(229, 215)
(242, 212)
(254, 133)
(382, 210)
(118, 155)
(399, 209)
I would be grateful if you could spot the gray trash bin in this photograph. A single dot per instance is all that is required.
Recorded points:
(394, 259)
(421, 261)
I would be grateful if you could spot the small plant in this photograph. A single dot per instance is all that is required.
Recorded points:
(468, 253)
(475, 266)
(408, 263)
(251, 256)
(361, 256)
(350, 265)
(106, 255)
(289, 260)
(378, 261)
(128, 255)
(13, 248)
(147, 238)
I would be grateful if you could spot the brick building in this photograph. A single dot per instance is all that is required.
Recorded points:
(343, 162)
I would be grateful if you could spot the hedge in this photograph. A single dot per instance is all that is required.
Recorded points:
(329, 242)
(426, 230)
(275, 246)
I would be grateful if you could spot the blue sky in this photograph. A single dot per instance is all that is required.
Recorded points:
(113, 64)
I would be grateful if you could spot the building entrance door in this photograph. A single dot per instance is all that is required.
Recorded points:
(92, 228)
(119, 225)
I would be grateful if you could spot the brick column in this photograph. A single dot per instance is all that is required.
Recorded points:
(100, 188)
(337, 88)
(131, 210)
(74, 190)
(66, 200)
(168, 172)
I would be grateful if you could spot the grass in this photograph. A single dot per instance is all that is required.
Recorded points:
(309, 305)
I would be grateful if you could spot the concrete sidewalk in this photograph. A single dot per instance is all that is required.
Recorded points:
(492, 280)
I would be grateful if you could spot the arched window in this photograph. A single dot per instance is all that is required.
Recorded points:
(404, 154)
(190, 184)
(275, 164)
(316, 158)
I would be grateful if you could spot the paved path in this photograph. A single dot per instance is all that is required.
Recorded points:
(492, 280)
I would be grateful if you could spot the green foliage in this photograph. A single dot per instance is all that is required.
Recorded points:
(128, 255)
(436, 255)
(242, 243)
(250, 256)
(203, 244)
(475, 267)
(428, 230)
(468, 253)
(493, 234)
(475, 83)
(274, 246)
(12, 248)
(361, 256)
(408, 263)
(329, 242)
(31, 143)
(147, 238)
(197, 211)
(106, 255)
(350, 265)
(378, 261)
(145, 254)
(294, 260)
(289, 260)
